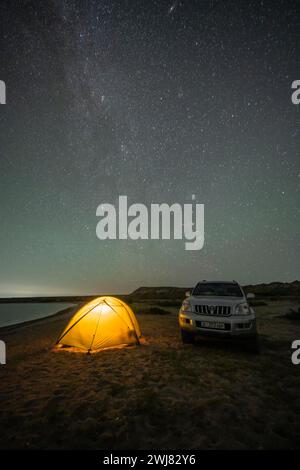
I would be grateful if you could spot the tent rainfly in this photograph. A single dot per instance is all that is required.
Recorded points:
(105, 322)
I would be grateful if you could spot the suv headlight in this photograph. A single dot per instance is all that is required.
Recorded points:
(242, 309)
(186, 305)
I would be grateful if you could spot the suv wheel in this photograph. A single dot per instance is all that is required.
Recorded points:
(187, 337)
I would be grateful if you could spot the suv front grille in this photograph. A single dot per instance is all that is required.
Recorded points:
(221, 310)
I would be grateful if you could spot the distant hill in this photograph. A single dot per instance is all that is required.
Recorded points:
(159, 293)
(168, 293)
(273, 289)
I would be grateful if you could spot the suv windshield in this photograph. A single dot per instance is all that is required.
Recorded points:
(217, 289)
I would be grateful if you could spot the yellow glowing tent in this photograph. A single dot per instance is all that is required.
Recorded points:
(104, 322)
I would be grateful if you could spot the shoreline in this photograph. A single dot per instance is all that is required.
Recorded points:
(6, 329)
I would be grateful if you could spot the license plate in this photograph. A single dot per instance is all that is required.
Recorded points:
(213, 325)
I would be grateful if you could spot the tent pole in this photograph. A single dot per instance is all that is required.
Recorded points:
(72, 326)
(136, 336)
(90, 348)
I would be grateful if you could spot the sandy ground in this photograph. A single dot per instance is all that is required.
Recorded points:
(162, 394)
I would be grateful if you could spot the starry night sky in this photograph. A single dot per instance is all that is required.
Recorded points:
(157, 100)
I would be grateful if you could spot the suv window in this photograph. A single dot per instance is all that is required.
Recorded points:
(217, 289)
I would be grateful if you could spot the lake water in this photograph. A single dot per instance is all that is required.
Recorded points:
(12, 313)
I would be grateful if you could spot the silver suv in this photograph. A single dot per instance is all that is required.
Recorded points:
(217, 308)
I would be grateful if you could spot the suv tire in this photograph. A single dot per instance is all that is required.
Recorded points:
(187, 337)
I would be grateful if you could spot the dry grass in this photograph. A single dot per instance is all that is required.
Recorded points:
(160, 395)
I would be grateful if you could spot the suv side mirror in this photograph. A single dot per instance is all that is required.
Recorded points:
(188, 293)
(250, 296)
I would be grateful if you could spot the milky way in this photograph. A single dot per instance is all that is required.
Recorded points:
(116, 98)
